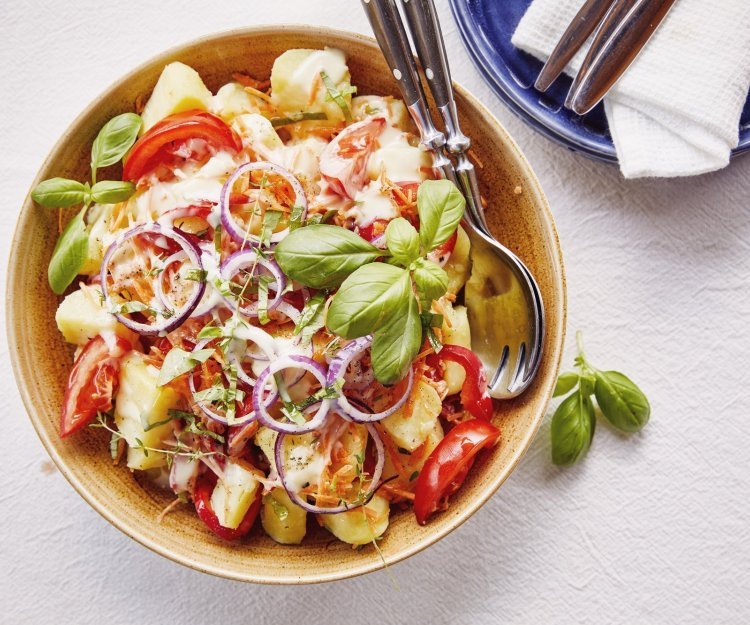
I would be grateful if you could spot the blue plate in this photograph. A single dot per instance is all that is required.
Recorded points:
(486, 27)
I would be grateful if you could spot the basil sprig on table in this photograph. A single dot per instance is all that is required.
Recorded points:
(621, 402)
(111, 144)
(379, 298)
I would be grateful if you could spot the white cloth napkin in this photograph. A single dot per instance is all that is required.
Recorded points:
(676, 110)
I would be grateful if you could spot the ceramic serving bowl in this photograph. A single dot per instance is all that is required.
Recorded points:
(519, 216)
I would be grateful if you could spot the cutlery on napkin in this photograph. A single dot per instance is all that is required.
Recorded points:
(676, 110)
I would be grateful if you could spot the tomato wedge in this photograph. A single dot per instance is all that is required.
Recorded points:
(92, 383)
(343, 162)
(202, 499)
(447, 466)
(474, 396)
(157, 145)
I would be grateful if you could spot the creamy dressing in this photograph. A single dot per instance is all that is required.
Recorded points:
(372, 203)
(304, 465)
(330, 60)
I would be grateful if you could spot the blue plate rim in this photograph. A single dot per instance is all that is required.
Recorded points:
(531, 115)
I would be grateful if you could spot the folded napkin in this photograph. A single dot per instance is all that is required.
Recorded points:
(676, 110)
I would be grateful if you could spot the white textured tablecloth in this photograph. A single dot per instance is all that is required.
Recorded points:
(649, 529)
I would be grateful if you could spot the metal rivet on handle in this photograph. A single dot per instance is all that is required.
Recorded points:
(397, 74)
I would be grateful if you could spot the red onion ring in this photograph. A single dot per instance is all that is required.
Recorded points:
(215, 416)
(261, 339)
(261, 405)
(231, 227)
(193, 255)
(336, 371)
(303, 503)
(249, 258)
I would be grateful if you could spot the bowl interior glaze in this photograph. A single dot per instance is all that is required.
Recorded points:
(519, 216)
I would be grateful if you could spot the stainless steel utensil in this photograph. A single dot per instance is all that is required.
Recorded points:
(621, 29)
(502, 286)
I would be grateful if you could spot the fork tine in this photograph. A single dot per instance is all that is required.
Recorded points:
(501, 366)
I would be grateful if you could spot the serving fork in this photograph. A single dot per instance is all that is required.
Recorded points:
(511, 359)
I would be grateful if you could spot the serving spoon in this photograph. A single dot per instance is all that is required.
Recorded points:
(500, 286)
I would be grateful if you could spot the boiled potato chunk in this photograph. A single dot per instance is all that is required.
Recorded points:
(456, 331)
(179, 88)
(232, 100)
(258, 132)
(265, 438)
(412, 463)
(399, 162)
(296, 83)
(411, 424)
(141, 402)
(283, 520)
(234, 494)
(393, 109)
(81, 316)
(458, 265)
(361, 525)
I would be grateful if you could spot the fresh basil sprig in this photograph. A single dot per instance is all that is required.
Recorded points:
(379, 297)
(322, 256)
(619, 399)
(113, 141)
(111, 144)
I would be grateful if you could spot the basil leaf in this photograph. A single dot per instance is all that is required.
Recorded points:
(59, 193)
(431, 281)
(572, 429)
(396, 344)
(112, 191)
(178, 361)
(69, 254)
(367, 298)
(588, 382)
(565, 383)
(403, 241)
(322, 256)
(621, 401)
(114, 140)
(441, 207)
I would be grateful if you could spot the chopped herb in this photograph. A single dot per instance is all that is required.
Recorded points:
(338, 96)
(271, 219)
(295, 218)
(263, 282)
(178, 362)
(147, 425)
(134, 306)
(321, 218)
(195, 274)
(217, 239)
(279, 509)
(414, 476)
(211, 332)
(294, 118)
(312, 313)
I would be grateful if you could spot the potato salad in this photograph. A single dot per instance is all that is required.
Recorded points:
(266, 304)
